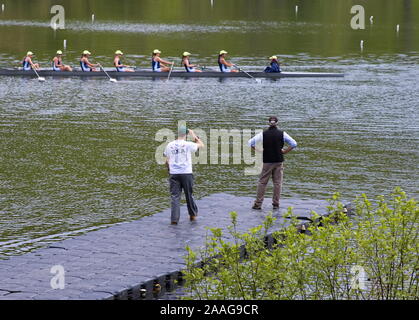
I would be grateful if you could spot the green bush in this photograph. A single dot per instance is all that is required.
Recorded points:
(371, 255)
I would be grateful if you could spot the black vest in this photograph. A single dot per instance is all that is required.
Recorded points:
(273, 141)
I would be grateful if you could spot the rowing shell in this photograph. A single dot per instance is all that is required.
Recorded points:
(175, 74)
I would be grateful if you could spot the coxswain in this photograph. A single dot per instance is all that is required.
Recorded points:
(274, 65)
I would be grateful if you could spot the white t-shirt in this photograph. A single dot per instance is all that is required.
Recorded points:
(179, 154)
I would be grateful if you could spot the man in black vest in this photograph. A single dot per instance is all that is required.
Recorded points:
(273, 158)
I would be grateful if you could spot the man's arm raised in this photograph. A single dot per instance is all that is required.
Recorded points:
(196, 139)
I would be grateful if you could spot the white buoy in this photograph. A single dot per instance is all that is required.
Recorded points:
(372, 19)
(397, 29)
(93, 18)
(2, 7)
(65, 44)
(296, 10)
(361, 44)
(212, 3)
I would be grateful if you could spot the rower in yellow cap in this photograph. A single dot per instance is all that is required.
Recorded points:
(118, 64)
(186, 63)
(158, 64)
(224, 65)
(27, 62)
(85, 63)
(57, 63)
(273, 66)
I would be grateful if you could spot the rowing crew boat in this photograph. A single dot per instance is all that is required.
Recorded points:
(174, 74)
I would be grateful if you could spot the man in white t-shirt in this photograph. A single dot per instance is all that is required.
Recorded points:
(178, 155)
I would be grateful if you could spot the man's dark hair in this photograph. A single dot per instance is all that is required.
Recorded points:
(273, 121)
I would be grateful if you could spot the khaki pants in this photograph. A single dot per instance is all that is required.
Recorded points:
(276, 170)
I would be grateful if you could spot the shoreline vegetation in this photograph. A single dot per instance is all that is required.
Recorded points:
(372, 255)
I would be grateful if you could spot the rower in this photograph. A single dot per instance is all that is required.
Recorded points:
(118, 64)
(274, 65)
(85, 64)
(224, 65)
(158, 64)
(27, 62)
(186, 63)
(57, 63)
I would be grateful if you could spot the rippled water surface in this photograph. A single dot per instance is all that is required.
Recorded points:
(78, 155)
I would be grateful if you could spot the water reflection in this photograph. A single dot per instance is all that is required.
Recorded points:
(79, 153)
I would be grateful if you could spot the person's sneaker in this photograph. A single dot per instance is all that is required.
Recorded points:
(192, 218)
(275, 207)
(173, 223)
(256, 207)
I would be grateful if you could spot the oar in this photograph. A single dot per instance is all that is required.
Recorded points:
(240, 69)
(170, 72)
(110, 79)
(41, 79)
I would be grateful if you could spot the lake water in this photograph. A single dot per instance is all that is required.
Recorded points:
(78, 155)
